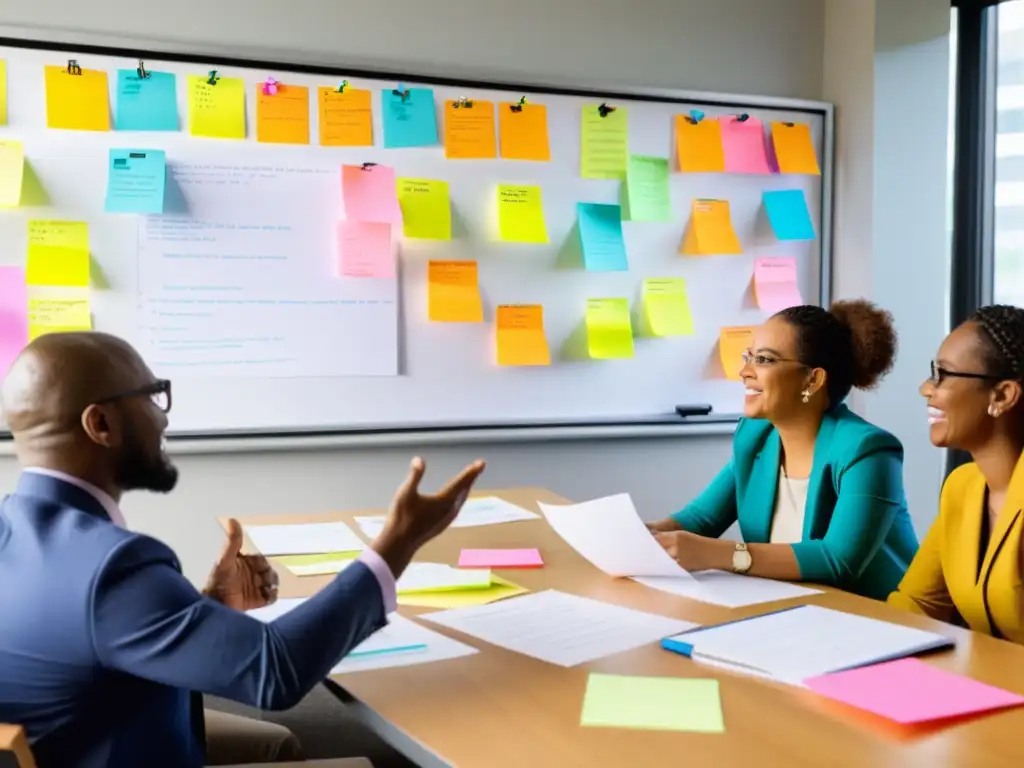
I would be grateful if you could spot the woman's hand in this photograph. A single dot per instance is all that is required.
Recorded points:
(663, 526)
(696, 553)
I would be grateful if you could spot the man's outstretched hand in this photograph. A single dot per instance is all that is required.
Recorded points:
(242, 582)
(416, 518)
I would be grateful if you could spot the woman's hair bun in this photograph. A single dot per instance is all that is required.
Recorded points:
(873, 337)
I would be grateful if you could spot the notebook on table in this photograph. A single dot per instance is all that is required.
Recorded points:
(798, 643)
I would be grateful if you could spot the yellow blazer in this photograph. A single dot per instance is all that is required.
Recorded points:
(944, 579)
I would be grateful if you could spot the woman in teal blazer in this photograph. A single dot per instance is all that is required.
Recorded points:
(817, 490)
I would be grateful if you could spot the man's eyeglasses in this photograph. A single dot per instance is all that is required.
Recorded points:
(159, 392)
(939, 373)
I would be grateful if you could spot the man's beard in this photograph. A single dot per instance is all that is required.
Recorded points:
(139, 469)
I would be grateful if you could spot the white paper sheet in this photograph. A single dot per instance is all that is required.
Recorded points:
(793, 645)
(732, 590)
(559, 628)
(418, 577)
(609, 533)
(483, 510)
(395, 645)
(304, 539)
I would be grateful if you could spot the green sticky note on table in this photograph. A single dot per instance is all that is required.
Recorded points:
(604, 143)
(58, 253)
(609, 329)
(653, 703)
(666, 307)
(646, 192)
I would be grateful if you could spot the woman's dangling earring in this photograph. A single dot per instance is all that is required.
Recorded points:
(806, 396)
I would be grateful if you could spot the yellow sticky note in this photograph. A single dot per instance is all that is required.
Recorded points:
(604, 142)
(732, 343)
(520, 335)
(699, 145)
(499, 590)
(453, 293)
(79, 102)
(346, 119)
(666, 307)
(710, 231)
(58, 253)
(426, 209)
(334, 559)
(521, 214)
(609, 329)
(12, 171)
(58, 314)
(523, 129)
(3, 92)
(469, 130)
(216, 111)
(794, 149)
(282, 117)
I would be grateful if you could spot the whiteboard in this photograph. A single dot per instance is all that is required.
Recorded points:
(447, 376)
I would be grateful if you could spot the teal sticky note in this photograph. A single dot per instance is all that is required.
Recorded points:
(136, 180)
(788, 214)
(604, 249)
(647, 192)
(410, 121)
(146, 104)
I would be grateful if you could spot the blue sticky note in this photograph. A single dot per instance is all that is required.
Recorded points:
(411, 122)
(604, 249)
(788, 214)
(146, 104)
(136, 180)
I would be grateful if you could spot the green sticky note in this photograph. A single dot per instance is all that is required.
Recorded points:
(329, 557)
(426, 209)
(521, 214)
(647, 195)
(604, 143)
(666, 307)
(609, 329)
(653, 703)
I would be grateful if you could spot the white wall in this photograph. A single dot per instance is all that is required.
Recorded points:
(771, 47)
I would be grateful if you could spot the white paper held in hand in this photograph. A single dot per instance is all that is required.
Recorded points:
(304, 539)
(560, 628)
(610, 534)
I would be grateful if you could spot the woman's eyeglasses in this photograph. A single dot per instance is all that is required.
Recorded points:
(938, 374)
(749, 358)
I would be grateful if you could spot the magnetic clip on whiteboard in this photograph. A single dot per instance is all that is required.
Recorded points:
(270, 87)
(342, 86)
(73, 68)
(742, 118)
(213, 78)
(368, 166)
(604, 110)
(695, 116)
(463, 102)
(401, 92)
(141, 70)
(518, 107)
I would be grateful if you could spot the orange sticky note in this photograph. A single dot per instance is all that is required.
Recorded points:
(453, 294)
(469, 131)
(794, 149)
(77, 102)
(282, 117)
(699, 146)
(732, 343)
(710, 231)
(524, 133)
(520, 335)
(346, 119)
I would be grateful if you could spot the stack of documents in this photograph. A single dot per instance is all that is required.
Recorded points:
(610, 534)
(795, 644)
(401, 643)
(483, 510)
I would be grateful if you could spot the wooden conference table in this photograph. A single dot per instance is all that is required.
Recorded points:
(499, 709)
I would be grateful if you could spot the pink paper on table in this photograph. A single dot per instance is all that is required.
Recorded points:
(910, 691)
(746, 150)
(13, 315)
(369, 193)
(500, 558)
(365, 249)
(775, 285)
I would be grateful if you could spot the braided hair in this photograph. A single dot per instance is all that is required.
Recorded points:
(854, 342)
(1002, 331)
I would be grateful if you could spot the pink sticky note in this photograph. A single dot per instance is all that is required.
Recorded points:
(775, 285)
(369, 193)
(13, 315)
(500, 558)
(365, 249)
(910, 691)
(745, 146)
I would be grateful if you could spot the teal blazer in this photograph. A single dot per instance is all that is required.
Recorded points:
(857, 532)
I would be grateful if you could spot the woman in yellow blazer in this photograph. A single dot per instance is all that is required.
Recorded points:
(970, 563)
